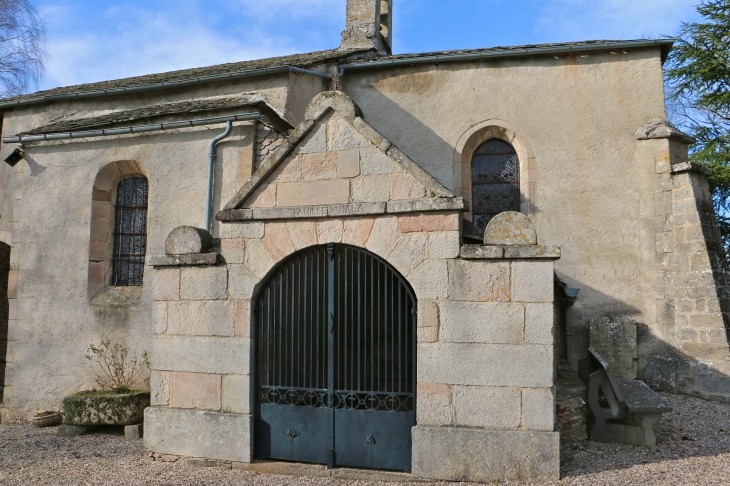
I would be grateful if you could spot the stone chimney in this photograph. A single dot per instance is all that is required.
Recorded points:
(369, 25)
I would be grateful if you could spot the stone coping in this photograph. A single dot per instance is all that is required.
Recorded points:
(340, 210)
(500, 252)
(194, 259)
(692, 167)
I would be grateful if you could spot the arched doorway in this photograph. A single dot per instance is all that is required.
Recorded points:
(336, 361)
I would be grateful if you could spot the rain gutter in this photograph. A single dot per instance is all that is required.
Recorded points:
(665, 44)
(48, 137)
(211, 165)
(143, 88)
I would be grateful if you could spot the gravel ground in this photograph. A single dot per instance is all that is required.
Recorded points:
(693, 448)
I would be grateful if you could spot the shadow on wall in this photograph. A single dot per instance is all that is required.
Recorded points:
(661, 365)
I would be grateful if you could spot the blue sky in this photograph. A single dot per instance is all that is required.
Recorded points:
(103, 39)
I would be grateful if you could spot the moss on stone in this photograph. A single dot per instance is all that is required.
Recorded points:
(105, 407)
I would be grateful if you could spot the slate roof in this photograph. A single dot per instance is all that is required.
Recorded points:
(255, 100)
(308, 60)
(298, 60)
(598, 44)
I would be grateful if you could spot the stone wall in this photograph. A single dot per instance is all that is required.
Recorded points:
(696, 307)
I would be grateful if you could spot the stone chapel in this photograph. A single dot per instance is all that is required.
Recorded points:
(360, 259)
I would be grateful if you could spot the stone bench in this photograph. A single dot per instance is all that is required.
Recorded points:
(624, 410)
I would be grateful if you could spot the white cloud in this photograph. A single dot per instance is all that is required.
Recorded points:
(130, 40)
(613, 19)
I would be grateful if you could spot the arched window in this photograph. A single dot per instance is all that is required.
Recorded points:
(495, 181)
(130, 232)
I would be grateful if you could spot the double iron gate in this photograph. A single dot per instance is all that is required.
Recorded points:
(336, 360)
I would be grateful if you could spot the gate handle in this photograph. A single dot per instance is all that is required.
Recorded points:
(370, 440)
(291, 433)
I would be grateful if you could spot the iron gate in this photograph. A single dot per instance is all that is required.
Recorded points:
(336, 361)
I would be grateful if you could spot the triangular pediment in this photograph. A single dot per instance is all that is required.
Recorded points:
(333, 159)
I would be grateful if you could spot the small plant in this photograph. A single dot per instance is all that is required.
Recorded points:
(45, 414)
(114, 368)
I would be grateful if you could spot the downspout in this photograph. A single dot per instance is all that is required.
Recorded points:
(211, 165)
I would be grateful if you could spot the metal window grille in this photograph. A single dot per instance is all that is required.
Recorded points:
(495, 181)
(130, 232)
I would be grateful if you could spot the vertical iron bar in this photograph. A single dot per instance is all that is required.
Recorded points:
(345, 325)
(305, 316)
(360, 287)
(317, 318)
(279, 326)
(331, 350)
(268, 336)
(400, 336)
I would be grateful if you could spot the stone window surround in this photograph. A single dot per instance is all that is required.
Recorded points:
(102, 224)
(482, 132)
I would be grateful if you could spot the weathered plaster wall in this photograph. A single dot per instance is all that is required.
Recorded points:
(595, 189)
(51, 226)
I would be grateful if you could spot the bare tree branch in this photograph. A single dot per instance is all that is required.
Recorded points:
(22, 52)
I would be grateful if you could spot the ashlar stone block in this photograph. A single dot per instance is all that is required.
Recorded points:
(405, 186)
(494, 323)
(428, 321)
(384, 236)
(476, 406)
(430, 280)
(434, 404)
(201, 318)
(237, 397)
(479, 281)
(376, 162)
(313, 193)
(263, 197)
(356, 231)
(444, 244)
(314, 142)
(423, 222)
(538, 409)
(409, 252)
(484, 455)
(277, 241)
(539, 323)
(532, 281)
(204, 283)
(329, 231)
(320, 166)
(257, 258)
(289, 170)
(159, 388)
(195, 390)
(160, 317)
(166, 284)
(499, 365)
(371, 188)
(232, 250)
(252, 230)
(211, 355)
(242, 326)
(348, 163)
(343, 136)
(241, 282)
(303, 233)
(190, 433)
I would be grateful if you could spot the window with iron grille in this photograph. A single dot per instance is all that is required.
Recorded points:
(495, 181)
(130, 232)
